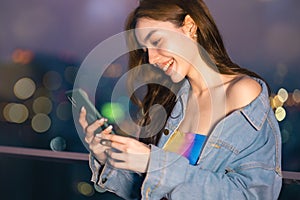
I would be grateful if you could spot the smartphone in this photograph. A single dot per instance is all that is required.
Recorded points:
(79, 98)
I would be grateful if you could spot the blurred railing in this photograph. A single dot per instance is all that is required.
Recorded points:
(288, 176)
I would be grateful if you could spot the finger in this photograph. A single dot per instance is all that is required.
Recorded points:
(90, 130)
(82, 118)
(96, 146)
(117, 164)
(107, 130)
(114, 159)
(121, 157)
(119, 146)
(94, 126)
(118, 138)
(99, 137)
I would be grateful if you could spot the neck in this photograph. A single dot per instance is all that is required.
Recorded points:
(203, 78)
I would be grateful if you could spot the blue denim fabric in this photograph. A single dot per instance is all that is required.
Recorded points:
(240, 160)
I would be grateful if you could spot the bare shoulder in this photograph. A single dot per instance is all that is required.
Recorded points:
(241, 92)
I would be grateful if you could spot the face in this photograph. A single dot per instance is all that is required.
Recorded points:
(169, 48)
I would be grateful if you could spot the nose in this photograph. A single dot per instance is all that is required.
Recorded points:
(153, 55)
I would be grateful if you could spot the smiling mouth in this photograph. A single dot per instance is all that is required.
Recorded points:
(166, 66)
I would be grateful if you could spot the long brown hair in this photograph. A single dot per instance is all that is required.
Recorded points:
(208, 36)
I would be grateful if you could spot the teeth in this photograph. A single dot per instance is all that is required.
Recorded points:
(165, 68)
(167, 65)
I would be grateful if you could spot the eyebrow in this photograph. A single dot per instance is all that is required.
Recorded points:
(149, 35)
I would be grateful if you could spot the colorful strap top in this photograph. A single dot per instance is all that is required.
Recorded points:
(188, 145)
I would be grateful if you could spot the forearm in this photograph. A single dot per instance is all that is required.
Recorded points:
(124, 183)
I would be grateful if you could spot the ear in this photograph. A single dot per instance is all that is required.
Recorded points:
(189, 26)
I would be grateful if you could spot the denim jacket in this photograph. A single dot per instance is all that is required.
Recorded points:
(241, 159)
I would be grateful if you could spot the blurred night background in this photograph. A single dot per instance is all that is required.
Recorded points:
(43, 43)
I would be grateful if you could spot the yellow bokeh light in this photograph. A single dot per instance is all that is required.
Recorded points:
(24, 88)
(6, 110)
(282, 95)
(52, 80)
(40, 123)
(296, 95)
(42, 105)
(85, 189)
(280, 113)
(275, 102)
(17, 113)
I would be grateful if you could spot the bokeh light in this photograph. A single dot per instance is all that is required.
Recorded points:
(296, 95)
(52, 80)
(113, 112)
(58, 144)
(64, 111)
(282, 95)
(2, 106)
(290, 101)
(24, 88)
(275, 102)
(280, 113)
(70, 74)
(6, 110)
(17, 113)
(42, 105)
(85, 188)
(40, 122)
(22, 56)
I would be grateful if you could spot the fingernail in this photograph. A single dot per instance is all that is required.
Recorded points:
(101, 120)
(82, 108)
(109, 127)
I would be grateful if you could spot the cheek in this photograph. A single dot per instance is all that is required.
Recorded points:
(179, 71)
(171, 47)
(182, 66)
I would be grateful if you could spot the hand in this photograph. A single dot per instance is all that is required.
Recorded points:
(94, 141)
(134, 155)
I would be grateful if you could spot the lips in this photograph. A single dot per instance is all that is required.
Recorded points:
(165, 66)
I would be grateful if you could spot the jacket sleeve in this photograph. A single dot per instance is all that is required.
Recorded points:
(123, 183)
(171, 174)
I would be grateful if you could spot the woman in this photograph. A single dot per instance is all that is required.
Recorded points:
(232, 151)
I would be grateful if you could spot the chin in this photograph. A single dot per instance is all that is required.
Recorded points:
(176, 78)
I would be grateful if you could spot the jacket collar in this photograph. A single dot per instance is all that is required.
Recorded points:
(256, 112)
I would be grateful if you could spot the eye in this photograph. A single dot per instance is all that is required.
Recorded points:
(156, 42)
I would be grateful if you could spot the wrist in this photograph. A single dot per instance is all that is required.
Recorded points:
(101, 158)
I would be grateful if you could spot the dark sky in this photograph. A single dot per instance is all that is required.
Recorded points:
(265, 31)
(72, 26)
